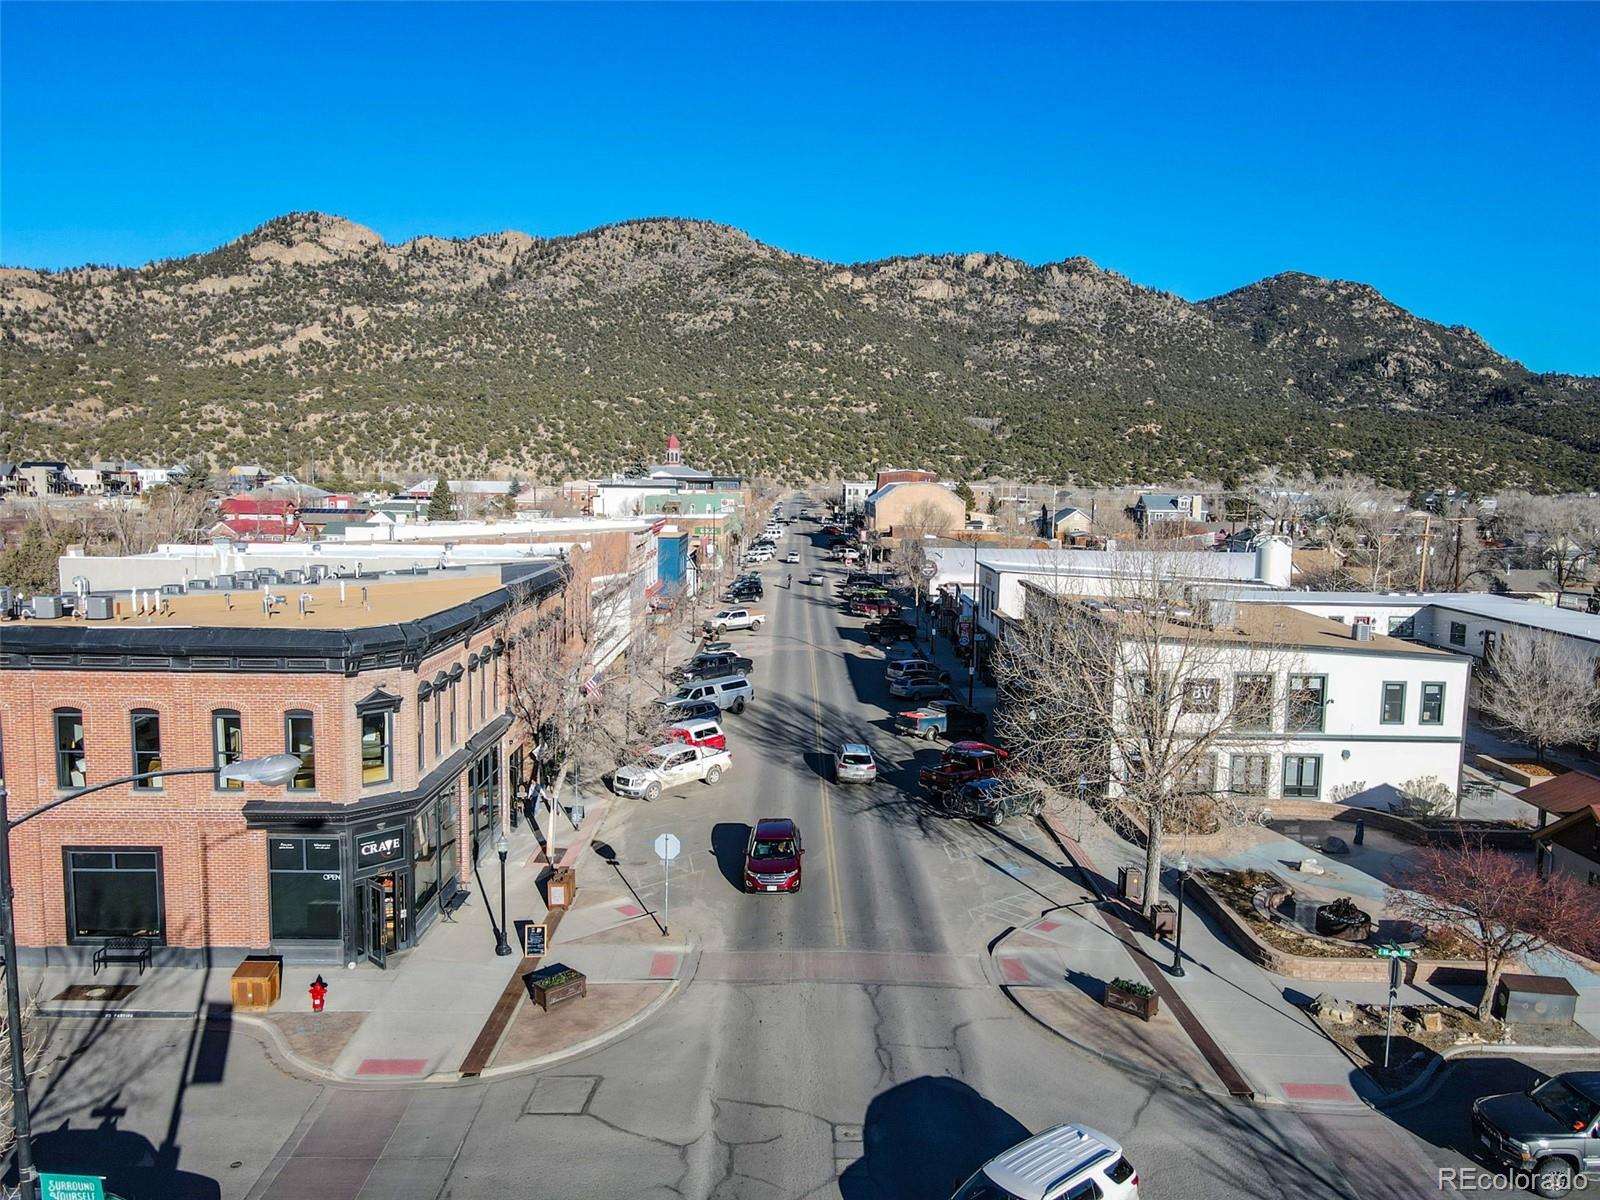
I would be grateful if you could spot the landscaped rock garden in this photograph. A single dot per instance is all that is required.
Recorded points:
(1421, 1034)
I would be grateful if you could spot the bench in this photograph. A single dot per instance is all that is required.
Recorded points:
(447, 907)
(123, 950)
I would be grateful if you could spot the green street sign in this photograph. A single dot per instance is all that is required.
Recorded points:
(1394, 952)
(72, 1187)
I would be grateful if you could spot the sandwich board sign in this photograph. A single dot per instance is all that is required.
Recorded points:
(534, 936)
(72, 1187)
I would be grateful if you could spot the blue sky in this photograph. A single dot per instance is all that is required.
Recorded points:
(1449, 155)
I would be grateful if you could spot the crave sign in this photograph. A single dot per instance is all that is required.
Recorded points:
(376, 849)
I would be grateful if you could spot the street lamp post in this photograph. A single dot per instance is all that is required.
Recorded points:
(972, 636)
(1177, 936)
(501, 847)
(275, 769)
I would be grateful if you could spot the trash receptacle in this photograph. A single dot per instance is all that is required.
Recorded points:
(1164, 919)
(256, 984)
(1130, 884)
(561, 887)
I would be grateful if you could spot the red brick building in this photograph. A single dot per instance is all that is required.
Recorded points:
(391, 691)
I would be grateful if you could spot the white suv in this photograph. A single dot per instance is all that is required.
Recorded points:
(1069, 1162)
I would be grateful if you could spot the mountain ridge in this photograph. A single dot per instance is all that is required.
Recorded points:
(509, 352)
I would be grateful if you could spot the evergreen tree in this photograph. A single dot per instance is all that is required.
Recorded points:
(441, 507)
(966, 496)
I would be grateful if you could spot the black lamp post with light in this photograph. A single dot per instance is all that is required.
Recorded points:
(274, 769)
(501, 848)
(1177, 935)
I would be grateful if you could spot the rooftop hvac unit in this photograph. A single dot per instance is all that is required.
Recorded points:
(98, 608)
(47, 608)
(1362, 632)
(172, 589)
(267, 576)
(294, 576)
(200, 585)
(69, 602)
(245, 585)
(246, 578)
(225, 581)
(8, 600)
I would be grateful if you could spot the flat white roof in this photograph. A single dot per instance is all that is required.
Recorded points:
(1476, 604)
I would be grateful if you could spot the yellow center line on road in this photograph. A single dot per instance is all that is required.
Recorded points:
(827, 808)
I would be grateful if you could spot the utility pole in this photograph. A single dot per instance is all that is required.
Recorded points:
(1455, 585)
(1422, 558)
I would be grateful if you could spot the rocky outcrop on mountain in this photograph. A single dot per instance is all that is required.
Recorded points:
(553, 356)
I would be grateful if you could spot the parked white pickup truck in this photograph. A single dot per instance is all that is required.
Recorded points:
(670, 766)
(734, 618)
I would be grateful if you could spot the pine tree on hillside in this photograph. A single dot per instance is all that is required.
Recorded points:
(441, 507)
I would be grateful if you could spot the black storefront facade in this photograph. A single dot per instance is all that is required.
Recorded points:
(362, 882)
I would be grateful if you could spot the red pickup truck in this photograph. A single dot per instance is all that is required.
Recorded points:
(961, 763)
(874, 606)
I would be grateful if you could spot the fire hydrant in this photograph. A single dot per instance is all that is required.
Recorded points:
(319, 992)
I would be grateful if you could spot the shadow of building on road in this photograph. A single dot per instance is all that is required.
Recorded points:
(729, 839)
(923, 1138)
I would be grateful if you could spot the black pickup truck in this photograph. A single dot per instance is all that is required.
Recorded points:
(1551, 1131)
(709, 666)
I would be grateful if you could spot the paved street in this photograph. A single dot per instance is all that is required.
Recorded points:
(842, 1041)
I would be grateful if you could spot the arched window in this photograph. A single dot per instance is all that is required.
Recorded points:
(227, 745)
(70, 762)
(299, 739)
(146, 724)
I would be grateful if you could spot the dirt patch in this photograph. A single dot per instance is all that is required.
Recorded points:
(318, 1037)
(1413, 1047)
(535, 1033)
(1530, 768)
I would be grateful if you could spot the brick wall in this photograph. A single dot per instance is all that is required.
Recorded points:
(214, 870)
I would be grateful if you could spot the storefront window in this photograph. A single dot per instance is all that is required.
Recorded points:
(447, 838)
(483, 786)
(425, 856)
(227, 744)
(307, 889)
(299, 740)
(146, 747)
(114, 893)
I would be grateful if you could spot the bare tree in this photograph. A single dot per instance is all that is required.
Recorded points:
(1541, 688)
(1133, 700)
(1499, 903)
(162, 514)
(556, 651)
(32, 1051)
(1560, 533)
(910, 550)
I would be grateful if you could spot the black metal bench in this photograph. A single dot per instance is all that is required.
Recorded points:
(123, 950)
(448, 906)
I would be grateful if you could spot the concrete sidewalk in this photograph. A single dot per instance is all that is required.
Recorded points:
(418, 1019)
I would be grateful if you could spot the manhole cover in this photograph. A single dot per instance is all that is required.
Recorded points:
(560, 1095)
(98, 991)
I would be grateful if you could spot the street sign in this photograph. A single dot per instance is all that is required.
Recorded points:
(667, 847)
(1393, 951)
(965, 641)
(534, 937)
(72, 1187)
(929, 570)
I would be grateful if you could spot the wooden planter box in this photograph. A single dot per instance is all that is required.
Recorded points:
(547, 995)
(1143, 1007)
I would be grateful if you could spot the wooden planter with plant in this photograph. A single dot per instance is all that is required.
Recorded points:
(559, 987)
(1130, 996)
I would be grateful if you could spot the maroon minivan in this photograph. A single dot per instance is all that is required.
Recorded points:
(772, 859)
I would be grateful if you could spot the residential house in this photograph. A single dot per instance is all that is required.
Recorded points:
(1065, 522)
(1167, 511)
(1571, 846)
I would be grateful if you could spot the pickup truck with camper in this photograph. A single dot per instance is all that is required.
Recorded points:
(728, 692)
(701, 731)
(670, 766)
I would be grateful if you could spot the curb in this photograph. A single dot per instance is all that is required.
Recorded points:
(1425, 1085)
(302, 1066)
(1126, 1066)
